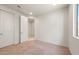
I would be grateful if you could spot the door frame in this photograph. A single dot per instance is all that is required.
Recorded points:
(19, 29)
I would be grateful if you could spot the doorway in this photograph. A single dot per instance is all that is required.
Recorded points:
(31, 30)
(27, 31)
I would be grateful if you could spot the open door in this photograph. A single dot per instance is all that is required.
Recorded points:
(24, 28)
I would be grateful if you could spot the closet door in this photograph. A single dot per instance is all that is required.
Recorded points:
(6, 29)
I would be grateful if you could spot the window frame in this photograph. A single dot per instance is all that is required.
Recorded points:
(75, 21)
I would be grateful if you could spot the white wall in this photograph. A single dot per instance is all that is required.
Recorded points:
(73, 42)
(53, 28)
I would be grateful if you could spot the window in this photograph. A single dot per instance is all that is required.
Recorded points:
(76, 21)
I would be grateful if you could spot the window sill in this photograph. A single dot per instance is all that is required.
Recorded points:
(76, 37)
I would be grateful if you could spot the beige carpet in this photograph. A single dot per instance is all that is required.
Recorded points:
(34, 47)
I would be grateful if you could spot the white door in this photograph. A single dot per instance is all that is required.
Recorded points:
(24, 29)
(6, 29)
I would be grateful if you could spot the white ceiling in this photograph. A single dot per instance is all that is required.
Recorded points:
(36, 9)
